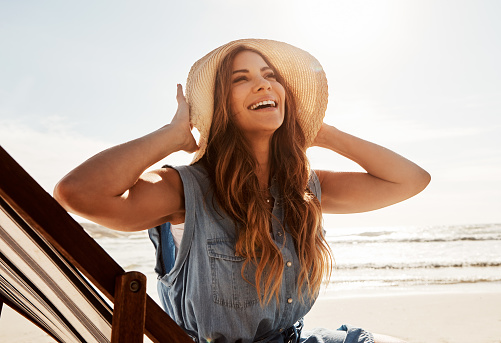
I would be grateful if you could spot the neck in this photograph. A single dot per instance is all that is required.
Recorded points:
(261, 151)
(263, 175)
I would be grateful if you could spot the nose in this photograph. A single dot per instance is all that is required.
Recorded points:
(262, 84)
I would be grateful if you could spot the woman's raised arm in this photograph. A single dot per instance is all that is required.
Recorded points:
(112, 189)
(390, 178)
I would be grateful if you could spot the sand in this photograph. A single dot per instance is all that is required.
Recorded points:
(429, 316)
(426, 317)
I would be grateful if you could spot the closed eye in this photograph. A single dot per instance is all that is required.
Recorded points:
(271, 76)
(240, 78)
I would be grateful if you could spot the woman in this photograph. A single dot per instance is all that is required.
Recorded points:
(253, 253)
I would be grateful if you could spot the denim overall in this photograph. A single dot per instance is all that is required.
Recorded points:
(202, 288)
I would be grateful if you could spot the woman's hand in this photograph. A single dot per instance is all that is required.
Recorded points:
(390, 178)
(181, 122)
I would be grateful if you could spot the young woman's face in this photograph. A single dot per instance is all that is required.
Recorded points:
(257, 99)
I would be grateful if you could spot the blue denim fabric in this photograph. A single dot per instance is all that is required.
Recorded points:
(345, 334)
(202, 289)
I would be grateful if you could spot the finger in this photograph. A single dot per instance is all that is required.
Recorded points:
(180, 95)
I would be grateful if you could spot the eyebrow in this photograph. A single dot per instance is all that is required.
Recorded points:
(247, 70)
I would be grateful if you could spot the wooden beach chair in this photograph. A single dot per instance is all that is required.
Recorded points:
(50, 269)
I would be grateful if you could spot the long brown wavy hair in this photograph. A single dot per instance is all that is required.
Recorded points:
(232, 169)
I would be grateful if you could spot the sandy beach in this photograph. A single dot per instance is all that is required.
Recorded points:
(418, 317)
(431, 317)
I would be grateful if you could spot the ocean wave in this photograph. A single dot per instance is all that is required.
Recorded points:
(431, 234)
(412, 240)
(98, 232)
(423, 265)
(375, 233)
(412, 281)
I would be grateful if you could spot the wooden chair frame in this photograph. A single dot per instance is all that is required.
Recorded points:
(135, 313)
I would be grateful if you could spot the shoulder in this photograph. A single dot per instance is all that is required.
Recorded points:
(168, 172)
(193, 179)
(185, 177)
(193, 173)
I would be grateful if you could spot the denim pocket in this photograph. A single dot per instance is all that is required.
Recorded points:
(228, 286)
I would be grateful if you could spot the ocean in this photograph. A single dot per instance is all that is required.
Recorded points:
(410, 258)
(418, 257)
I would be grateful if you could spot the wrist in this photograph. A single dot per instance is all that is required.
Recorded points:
(325, 136)
(179, 138)
(166, 139)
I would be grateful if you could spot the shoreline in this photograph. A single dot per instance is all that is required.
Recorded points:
(429, 315)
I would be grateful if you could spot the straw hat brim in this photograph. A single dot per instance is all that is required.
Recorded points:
(302, 72)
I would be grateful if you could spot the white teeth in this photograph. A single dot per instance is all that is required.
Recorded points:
(266, 102)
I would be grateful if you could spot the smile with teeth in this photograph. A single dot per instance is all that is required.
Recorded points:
(263, 104)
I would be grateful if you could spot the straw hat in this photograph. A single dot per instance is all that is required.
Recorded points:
(303, 73)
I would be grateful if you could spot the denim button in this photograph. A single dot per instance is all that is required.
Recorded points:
(289, 264)
(289, 300)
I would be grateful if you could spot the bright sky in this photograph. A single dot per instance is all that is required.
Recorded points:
(420, 77)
